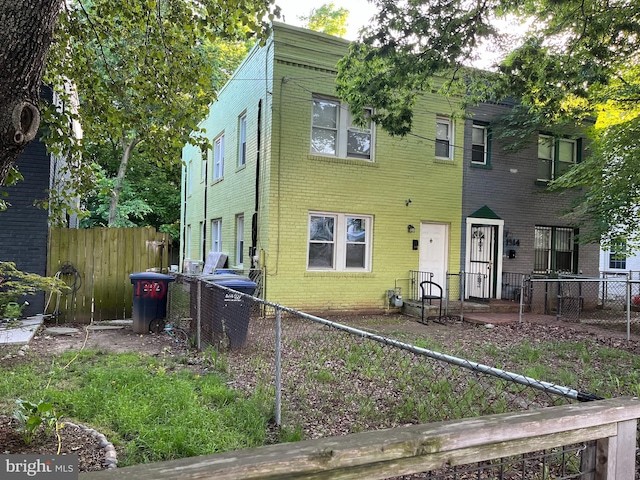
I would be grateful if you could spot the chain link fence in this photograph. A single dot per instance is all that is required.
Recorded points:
(329, 378)
(609, 302)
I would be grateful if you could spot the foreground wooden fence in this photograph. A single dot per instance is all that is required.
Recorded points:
(419, 448)
(97, 263)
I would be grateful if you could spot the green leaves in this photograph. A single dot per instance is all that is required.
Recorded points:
(145, 72)
(568, 64)
(327, 19)
(31, 415)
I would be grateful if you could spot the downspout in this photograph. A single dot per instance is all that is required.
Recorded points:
(204, 222)
(254, 218)
(184, 219)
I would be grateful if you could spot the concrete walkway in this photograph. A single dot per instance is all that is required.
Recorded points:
(22, 332)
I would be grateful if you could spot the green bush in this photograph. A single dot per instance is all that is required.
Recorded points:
(15, 284)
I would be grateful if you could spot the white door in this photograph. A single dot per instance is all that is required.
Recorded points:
(434, 251)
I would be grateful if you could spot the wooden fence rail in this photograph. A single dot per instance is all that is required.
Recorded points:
(97, 263)
(406, 450)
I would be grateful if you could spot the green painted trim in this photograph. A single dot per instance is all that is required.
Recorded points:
(485, 212)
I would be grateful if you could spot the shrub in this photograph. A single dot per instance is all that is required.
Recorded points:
(15, 284)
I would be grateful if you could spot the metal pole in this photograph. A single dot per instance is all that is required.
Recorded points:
(521, 297)
(628, 309)
(278, 366)
(199, 316)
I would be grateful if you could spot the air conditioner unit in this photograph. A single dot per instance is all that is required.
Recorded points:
(192, 267)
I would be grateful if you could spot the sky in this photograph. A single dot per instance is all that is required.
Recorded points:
(360, 11)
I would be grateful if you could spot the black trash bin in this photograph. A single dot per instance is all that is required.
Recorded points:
(231, 311)
(149, 300)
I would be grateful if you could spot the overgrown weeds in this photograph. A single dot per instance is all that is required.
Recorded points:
(155, 408)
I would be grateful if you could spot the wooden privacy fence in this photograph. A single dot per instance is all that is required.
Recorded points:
(96, 264)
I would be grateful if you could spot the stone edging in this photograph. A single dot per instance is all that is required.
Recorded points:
(110, 457)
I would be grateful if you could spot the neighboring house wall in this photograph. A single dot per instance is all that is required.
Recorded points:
(294, 68)
(508, 186)
(612, 264)
(24, 226)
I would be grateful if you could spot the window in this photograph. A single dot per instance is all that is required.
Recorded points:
(218, 158)
(555, 157)
(216, 235)
(339, 242)
(554, 250)
(239, 240)
(480, 145)
(242, 140)
(334, 133)
(444, 138)
(618, 255)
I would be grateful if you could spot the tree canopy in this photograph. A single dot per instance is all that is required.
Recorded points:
(327, 19)
(568, 63)
(146, 71)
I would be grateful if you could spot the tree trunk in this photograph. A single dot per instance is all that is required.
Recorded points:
(27, 28)
(117, 187)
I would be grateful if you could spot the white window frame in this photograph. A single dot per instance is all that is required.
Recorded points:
(239, 240)
(485, 144)
(618, 255)
(450, 138)
(553, 157)
(216, 235)
(242, 140)
(339, 242)
(218, 158)
(343, 130)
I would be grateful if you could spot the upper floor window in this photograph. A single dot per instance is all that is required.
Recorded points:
(555, 157)
(218, 158)
(339, 242)
(216, 235)
(618, 255)
(334, 133)
(242, 140)
(480, 145)
(444, 138)
(554, 250)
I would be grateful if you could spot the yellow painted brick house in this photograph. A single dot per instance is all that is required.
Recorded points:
(336, 215)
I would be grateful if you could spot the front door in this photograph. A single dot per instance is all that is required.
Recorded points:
(482, 255)
(434, 252)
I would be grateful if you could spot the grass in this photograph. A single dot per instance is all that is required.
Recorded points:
(153, 407)
(157, 409)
